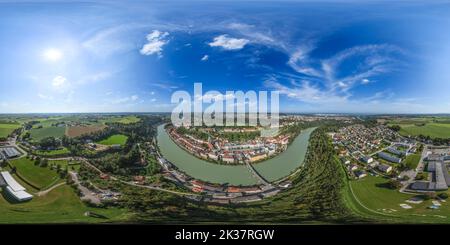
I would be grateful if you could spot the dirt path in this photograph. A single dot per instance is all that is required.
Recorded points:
(44, 192)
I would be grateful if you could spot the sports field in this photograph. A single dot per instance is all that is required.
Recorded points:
(117, 139)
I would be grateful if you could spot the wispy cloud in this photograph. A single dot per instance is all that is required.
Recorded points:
(124, 100)
(44, 97)
(164, 85)
(323, 81)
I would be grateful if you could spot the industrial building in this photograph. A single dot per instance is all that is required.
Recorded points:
(395, 151)
(389, 157)
(13, 188)
(9, 152)
(440, 179)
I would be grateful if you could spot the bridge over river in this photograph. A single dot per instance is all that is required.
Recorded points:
(271, 170)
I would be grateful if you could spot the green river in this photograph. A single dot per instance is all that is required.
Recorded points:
(273, 169)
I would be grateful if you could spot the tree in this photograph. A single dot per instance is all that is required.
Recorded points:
(443, 195)
(394, 184)
(396, 128)
(43, 163)
(49, 142)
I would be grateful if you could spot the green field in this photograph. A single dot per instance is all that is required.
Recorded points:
(38, 134)
(7, 128)
(60, 205)
(38, 176)
(371, 199)
(117, 139)
(435, 127)
(412, 161)
(62, 151)
(434, 130)
(123, 120)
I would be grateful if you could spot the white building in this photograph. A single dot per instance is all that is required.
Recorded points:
(14, 189)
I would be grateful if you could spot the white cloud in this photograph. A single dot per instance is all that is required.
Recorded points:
(44, 97)
(365, 81)
(205, 57)
(228, 43)
(95, 77)
(156, 41)
(134, 97)
(59, 82)
(123, 100)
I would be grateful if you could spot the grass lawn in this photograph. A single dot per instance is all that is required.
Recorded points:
(7, 128)
(371, 199)
(61, 205)
(38, 134)
(117, 139)
(38, 176)
(412, 161)
(58, 152)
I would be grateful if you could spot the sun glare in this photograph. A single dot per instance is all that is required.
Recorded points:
(52, 54)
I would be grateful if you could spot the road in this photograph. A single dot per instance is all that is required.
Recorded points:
(87, 163)
(257, 175)
(419, 168)
(87, 194)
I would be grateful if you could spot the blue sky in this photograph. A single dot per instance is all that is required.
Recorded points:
(359, 57)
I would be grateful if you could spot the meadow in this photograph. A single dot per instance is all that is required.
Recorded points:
(372, 199)
(435, 127)
(61, 205)
(7, 128)
(40, 177)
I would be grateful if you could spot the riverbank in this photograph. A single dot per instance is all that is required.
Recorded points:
(273, 169)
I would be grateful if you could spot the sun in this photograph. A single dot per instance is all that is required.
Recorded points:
(53, 54)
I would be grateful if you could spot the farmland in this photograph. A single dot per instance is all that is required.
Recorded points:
(434, 127)
(76, 131)
(40, 133)
(121, 119)
(7, 128)
(116, 139)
